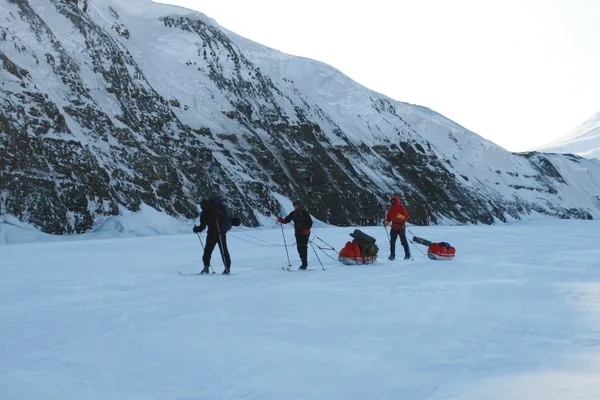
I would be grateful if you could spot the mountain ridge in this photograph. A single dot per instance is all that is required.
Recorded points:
(584, 140)
(118, 104)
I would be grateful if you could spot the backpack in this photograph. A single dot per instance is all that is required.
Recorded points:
(221, 213)
(372, 249)
(365, 242)
(358, 234)
(367, 247)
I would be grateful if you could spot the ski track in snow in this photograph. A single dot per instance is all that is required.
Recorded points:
(515, 316)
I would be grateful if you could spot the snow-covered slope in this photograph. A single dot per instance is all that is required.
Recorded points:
(583, 140)
(513, 317)
(109, 105)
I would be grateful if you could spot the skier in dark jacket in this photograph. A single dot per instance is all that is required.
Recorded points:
(302, 224)
(215, 216)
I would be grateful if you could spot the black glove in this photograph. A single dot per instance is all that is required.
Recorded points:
(236, 221)
(197, 229)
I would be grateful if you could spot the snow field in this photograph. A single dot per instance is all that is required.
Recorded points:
(514, 316)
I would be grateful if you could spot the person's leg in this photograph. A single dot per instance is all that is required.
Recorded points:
(211, 242)
(225, 252)
(393, 238)
(302, 245)
(404, 243)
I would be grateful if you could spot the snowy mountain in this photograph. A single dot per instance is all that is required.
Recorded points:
(583, 140)
(109, 104)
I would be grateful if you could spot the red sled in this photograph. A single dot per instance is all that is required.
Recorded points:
(441, 251)
(351, 255)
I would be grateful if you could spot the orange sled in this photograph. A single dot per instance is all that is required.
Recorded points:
(351, 255)
(441, 251)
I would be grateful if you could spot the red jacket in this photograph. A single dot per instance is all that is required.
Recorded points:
(397, 215)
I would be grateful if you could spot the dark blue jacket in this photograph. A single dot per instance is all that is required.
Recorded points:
(301, 219)
(215, 215)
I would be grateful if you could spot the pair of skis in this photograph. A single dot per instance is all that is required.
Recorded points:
(199, 273)
(289, 269)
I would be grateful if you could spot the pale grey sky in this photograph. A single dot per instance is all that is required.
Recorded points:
(518, 72)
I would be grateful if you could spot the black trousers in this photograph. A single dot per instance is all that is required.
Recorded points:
(302, 246)
(394, 236)
(212, 240)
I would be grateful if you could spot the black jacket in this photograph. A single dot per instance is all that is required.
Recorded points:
(214, 216)
(301, 218)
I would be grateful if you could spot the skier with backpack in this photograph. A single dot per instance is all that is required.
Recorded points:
(302, 225)
(397, 216)
(215, 216)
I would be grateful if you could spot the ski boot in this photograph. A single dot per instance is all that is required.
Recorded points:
(205, 270)
(392, 257)
(407, 257)
(225, 271)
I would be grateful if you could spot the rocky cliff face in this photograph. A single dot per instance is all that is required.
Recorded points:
(108, 104)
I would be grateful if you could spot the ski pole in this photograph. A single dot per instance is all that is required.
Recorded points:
(326, 244)
(418, 249)
(313, 247)
(200, 237)
(413, 243)
(286, 249)
(202, 244)
(323, 250)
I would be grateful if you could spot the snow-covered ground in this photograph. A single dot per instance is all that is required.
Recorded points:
(515, 316)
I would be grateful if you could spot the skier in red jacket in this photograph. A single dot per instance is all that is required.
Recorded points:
(397, 216)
